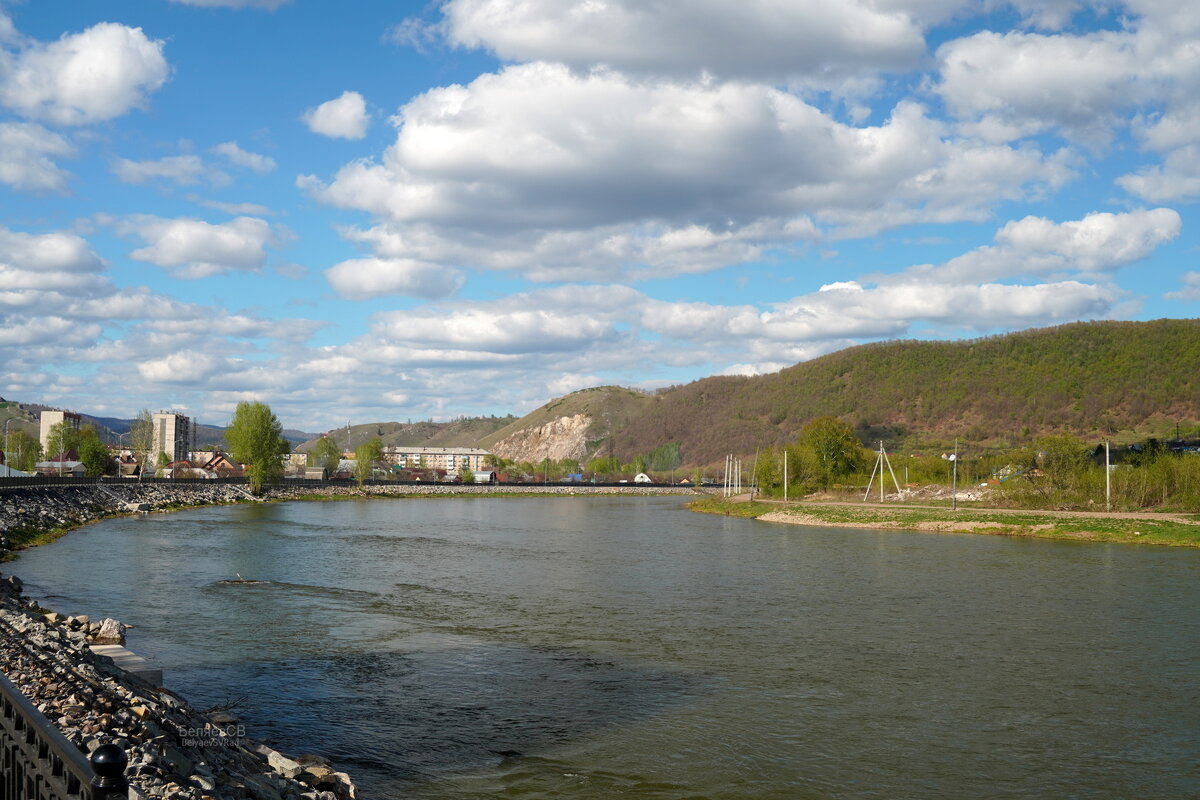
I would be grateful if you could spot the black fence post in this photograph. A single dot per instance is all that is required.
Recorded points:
(109, 762)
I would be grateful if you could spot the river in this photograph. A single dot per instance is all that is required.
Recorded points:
(457, 648)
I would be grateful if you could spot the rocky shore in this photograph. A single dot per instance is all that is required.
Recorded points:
(175, 752)
(26, 512)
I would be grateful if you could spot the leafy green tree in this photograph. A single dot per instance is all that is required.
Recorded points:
(63, 436)
(466, 475)
(1062, 460)
(325, 453)
(833, 446)
(24, 451)
(664, 458)
(365, 456)
(93, 452)
(141, 438)
(255, 439)
(162, 460)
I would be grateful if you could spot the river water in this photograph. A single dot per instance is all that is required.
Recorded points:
(627, 648)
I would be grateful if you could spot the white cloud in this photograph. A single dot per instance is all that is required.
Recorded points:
(767, 40)
(234, 209)
(52, 252)
(361, 278)
(192, 248)
(344, 117)
(17, 332)
(1023, 83)
(26, 153)
(185, 170)
(1190, 290)
(84, 78)
(1177, 178)
(187, 367)
(1099, 241)
(563, 175)
(243, 158)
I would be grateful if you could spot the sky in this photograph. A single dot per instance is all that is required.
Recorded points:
(377, 211)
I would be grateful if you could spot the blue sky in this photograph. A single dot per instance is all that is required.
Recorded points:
(386, 211)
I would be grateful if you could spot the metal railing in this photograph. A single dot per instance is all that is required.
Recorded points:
(38, 763)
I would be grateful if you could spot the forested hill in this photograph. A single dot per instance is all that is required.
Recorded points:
(1093, 378)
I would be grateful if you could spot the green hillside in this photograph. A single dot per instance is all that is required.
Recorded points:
(1095, 379)
(466, 432)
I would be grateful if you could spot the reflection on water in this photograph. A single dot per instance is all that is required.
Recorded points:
(597, 648)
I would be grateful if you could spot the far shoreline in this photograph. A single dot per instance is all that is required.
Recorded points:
(1144, 528)
(31, 516)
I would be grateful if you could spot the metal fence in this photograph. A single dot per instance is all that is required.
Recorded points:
(38, 763)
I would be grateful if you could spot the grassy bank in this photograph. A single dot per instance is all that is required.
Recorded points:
(1035, 524)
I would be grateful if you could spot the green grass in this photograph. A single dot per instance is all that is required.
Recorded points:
(1032, 524)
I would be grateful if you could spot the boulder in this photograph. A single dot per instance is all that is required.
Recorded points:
(111, 632)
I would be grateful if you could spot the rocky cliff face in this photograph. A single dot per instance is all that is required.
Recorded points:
(565, 437)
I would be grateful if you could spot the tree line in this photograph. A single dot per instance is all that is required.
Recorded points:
(1060, 471)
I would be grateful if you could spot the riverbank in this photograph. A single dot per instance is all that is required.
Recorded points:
(175, 752)
(1160, 529)
(34, 515)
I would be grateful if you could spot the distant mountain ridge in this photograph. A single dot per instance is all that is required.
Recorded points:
(1090, 378)
(1095, 379)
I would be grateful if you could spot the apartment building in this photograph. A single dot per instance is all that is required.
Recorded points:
(48, 420)
(451, 459)
(172, 435)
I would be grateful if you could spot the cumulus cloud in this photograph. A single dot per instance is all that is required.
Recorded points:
(244, 158)
(344, 117)
(1099, 241)
(361, 278)
(84, 78)
(767, 40)
(27, 151)
(187, 367)
(1177, 178)
(192, 248)
(185, 170)
(1190, 290)
(558, 174)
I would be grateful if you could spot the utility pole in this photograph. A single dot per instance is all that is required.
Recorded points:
(881, 470)
(954, 479)
(785, 476)
(1108, 479)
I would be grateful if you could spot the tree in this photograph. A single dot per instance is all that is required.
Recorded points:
(141, 439)
(832, 443)
(325, 453)
(24, 451)
(365, 456)
(466, 475)
(63, 436)
(92, 452)
(255, 439)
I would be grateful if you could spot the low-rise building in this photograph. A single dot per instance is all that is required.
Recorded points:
(451, 459)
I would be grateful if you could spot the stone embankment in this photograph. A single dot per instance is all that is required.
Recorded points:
(49, 508)
(46, 508)
(175, 752)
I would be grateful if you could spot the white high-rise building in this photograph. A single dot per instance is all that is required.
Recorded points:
(48, 420)
(172, 435)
